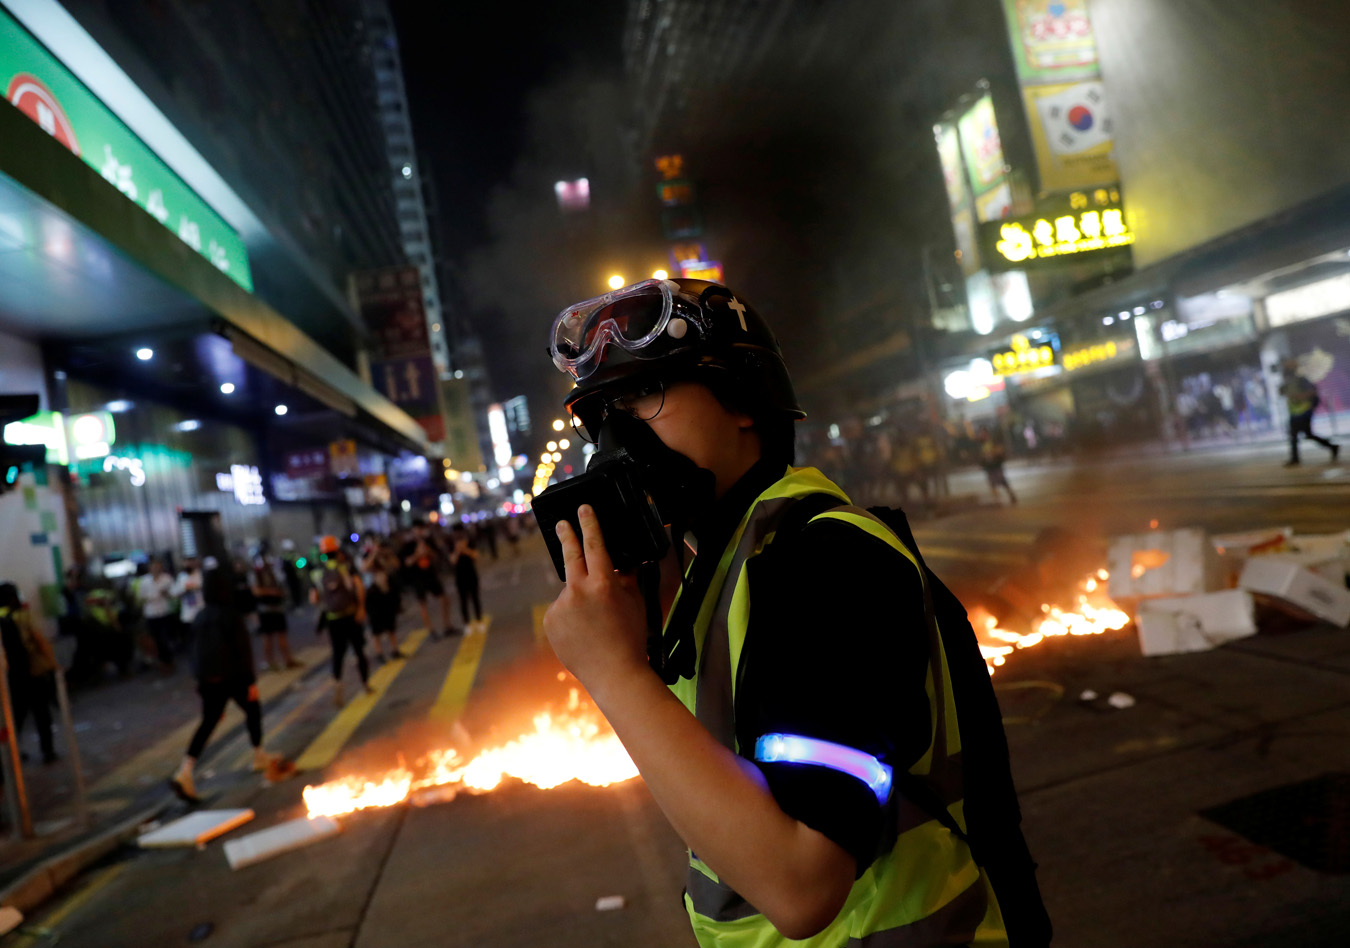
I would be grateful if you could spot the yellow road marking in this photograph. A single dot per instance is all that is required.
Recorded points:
(539, 609)
(164, 753)
(459, 680)
(325, 747)
(39, 933)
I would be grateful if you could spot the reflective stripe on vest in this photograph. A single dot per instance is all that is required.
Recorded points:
(926, 889)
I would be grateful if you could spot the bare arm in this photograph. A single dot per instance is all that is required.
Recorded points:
(718, 802)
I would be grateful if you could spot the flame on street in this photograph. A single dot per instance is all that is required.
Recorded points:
(1092, 614)
(573, 744)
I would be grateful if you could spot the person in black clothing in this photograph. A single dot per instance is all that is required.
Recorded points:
(465, 560)
(382, 607)
(271, 600)
(809, 704)
(294, 585)
(422, 557)
(222, 659)
(487, 532)
(341, 598)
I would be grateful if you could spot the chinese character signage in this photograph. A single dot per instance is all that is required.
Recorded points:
(1089, 223)
(401, 368)
(37, 84)
(1052, 40)
(1025, 354)
(1098, 353)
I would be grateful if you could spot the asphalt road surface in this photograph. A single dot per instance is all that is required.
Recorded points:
(1112, 797)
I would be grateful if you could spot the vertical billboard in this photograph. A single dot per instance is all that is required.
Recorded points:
(1071, 131)
(1051, 39)
(461, 434)
(959, 202)
(1067, 108)
(982, 155)
(401, 368)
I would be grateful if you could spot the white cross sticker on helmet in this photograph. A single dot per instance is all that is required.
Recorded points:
(739, 307)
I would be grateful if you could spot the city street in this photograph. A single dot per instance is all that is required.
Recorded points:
(1113, 799)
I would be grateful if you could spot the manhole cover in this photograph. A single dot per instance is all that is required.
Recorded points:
(1307, 822)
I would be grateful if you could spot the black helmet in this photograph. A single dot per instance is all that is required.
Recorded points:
(662, 328)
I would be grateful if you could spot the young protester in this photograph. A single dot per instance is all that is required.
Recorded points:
(811, 743)
(222, 660)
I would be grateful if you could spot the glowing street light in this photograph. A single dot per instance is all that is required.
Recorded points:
(564, 444)
(552, 446)
(660, 275)
(616, 282)
(227, 388)
(145, 354)
(558, 424)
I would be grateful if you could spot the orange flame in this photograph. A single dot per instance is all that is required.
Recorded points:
(573, 744)
(1093, 614)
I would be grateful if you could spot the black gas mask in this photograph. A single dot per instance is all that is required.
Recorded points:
(637, 487)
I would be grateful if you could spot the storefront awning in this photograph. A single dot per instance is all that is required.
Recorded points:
(77, 259)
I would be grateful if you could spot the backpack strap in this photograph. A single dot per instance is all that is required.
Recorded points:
(807, 508)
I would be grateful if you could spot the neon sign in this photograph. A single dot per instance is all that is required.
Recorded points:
(1086, 223)
(132, 466)
(1096, 353)
(244, 482)
(1022, 357)
(85, 436)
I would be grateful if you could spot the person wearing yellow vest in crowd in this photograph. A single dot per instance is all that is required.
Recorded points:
(795, 717)
(1301, 396)
(341, 597)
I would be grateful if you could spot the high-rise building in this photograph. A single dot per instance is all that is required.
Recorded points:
(404, 169)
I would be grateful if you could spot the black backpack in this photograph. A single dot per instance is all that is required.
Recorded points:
(993, 816)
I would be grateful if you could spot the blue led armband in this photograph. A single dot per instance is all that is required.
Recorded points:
(793, 749)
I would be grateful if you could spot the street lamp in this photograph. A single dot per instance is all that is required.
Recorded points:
(660, 275)
(564, 444)
(558, 424)
(616, 282)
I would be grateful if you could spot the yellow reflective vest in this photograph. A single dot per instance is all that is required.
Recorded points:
(927, 889)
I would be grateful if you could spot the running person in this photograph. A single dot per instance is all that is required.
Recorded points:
(222, 660)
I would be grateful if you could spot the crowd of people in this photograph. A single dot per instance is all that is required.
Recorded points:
(208, 613)
(905, 464)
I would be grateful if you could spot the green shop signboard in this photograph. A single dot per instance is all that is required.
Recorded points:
(37, 84)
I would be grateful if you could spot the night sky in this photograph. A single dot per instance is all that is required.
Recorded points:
(469, 69)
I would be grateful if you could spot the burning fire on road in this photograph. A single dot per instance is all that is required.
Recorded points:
(1093, 613)
(574, 743)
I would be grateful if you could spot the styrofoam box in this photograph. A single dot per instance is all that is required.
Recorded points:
(1195, 623)
(1177, 563)
(1241, 544)
(1288, 581)
(196, 828)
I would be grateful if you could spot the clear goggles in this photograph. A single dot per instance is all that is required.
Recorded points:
(635, 318)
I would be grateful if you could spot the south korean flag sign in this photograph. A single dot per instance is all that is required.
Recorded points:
(1075, 119)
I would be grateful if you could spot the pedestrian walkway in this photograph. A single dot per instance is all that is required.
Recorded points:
(131, 733)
